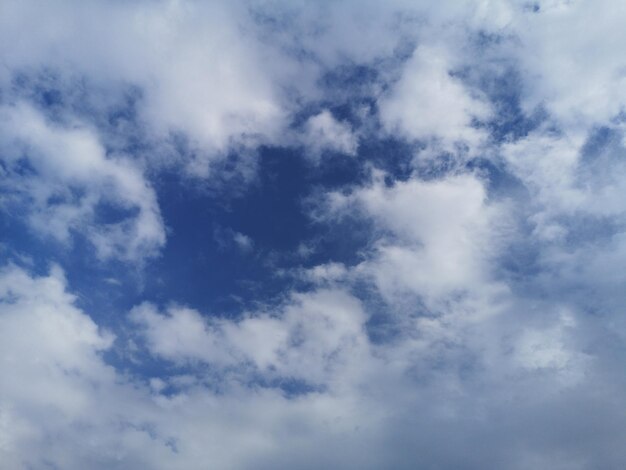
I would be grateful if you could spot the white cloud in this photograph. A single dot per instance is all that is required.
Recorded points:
(231, 76)
(547, 165)
(566, 179)
(455, 341)
(50, 352)
(175, 52)
(314, 335)
(443, 234)
(429, 103)
(71, 176)
(325, 133)
(571, 65)
(329, 272)
(66, 407)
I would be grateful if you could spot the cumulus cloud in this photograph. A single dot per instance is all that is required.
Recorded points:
(475, 317)
(69, 178)
(593, 91)
(325, 133)
(315, 334)
(429, 103)
(357, 398)
(189, 84)
(207, 100)
(437, 236)
(64, 406)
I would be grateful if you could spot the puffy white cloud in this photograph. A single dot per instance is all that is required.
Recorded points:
(323, 273)
(51, 366)
(216, 98)
(324, 133)
(466, 362)
(378, 403)
(441, 234)
(229, 76)
(69, 177)
(571, 65)
(64, 406)
(429, 103)
(568, 176)
(314, 335)
(198, 67)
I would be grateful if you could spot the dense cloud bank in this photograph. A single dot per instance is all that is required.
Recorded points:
(457, 301)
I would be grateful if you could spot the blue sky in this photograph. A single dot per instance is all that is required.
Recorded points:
(312, 235)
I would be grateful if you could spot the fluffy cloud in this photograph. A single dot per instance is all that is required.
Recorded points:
(369, 403)
(325, 133)
(593, 91)
(195, 101)
(479, 325)
(429, 103)
(315, 335)
(174, 52)
(62, 175)
(438, 236)
(52, 369)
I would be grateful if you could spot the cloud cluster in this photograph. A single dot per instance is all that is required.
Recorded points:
(268, 390)
(199, 71)
(480, 324)
(60, 176)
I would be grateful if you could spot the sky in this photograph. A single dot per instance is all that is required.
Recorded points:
(333, 234)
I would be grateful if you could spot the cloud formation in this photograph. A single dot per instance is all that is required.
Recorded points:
(61, 175)
(457, 298)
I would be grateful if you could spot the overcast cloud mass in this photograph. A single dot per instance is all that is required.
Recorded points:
(306, 235)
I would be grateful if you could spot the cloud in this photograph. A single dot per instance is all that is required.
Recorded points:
(215, 96)
(70, 178)
(314, 335)
(437, 237)
(66, 407)
(593, 91)
(325, 133)
(360, 400)
(244, 242)
(51, 351)
(193, 103)
(227, 238)
(427, 102)
(478, 325)
(217, 99)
